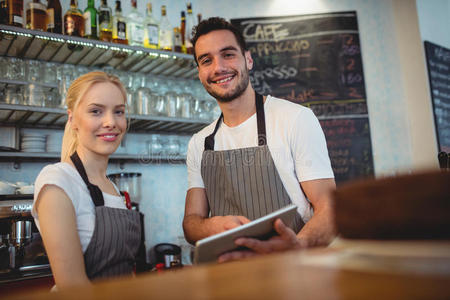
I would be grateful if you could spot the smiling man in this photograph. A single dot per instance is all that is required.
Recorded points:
(263, 153)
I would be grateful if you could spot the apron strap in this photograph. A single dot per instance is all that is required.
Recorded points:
(96, 193)
(260, 118)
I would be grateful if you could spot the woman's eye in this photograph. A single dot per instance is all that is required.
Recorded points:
(120, 112)
(95, 111)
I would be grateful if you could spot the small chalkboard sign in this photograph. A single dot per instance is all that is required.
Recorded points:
(315, 60)
(438, 62)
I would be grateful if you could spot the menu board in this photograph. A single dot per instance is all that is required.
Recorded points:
(438, 61)
(315, 60)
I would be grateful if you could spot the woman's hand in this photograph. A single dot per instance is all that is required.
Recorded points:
(285, 240)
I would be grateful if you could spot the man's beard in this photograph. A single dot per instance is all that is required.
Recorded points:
(236, 92)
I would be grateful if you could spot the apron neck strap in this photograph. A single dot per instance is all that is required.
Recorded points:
(261, 122)
(96, 193)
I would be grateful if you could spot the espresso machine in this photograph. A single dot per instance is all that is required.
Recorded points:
(21, 248)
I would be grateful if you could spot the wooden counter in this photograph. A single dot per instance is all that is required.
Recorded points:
(344, 271)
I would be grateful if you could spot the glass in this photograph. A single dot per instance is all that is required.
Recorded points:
(34, 95)
(154, 145)
(51, 99)
(186, 105)
(50, 74)
(65, 75)
(159, 104)
(173, 145)
(13, 94)
(15, 69)
(33, 70)
(142, 98)
(172, 104)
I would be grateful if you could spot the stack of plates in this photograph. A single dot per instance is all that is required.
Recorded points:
(33, 142)
(54, 143)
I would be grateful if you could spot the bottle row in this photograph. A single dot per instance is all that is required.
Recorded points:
(147, 94)
(100, 23)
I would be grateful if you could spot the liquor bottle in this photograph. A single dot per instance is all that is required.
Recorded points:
(151, 29)
(177, 42)
(135, 26)
(74, 20)
(15, 12)
(165, 32)
(54, 18)
(90, 21)
(119, 33)
(190, 23)
(182, 31)
(105, 22)
(199, 18)
(3, 12)
(36, 13)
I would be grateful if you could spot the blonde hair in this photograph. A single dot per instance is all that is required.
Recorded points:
(75, 94)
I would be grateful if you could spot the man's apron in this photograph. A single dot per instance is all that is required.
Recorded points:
(244, 181)
(117, 235)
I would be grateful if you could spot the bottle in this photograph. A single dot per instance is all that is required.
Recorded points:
(151, 29)
(74, 20)
(15, 12)
(105, 22)
(199, 18)
(190, 23)
(135, 26)
(165, 32)
(119, 33)
(90, 21)
(177, 42)
(183, 31)
(3, 12)
(36, 14)
(54, 18)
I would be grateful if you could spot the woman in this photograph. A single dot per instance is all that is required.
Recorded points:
(87, 231)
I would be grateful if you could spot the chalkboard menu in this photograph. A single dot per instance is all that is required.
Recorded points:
(438, 61)
(315, 60)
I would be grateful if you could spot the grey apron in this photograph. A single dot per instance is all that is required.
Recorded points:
(116, 239)
(244, 181)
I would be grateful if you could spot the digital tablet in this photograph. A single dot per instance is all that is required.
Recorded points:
(210, 248)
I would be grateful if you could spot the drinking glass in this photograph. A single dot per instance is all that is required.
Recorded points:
(13, 94)
(172, 146)
(172, 104)
(15, 69)
(33, 70)
(50, 74)
(34, 95)
(154, 145)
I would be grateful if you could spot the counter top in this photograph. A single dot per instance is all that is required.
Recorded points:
(346, 271)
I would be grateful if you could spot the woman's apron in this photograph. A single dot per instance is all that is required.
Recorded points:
(244, 181)
(116, 239)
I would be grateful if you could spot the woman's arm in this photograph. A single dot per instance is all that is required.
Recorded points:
(58, 228)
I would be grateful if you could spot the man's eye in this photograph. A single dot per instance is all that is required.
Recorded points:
(205, 61)
(229, 54)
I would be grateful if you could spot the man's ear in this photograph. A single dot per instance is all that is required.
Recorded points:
(249, 60)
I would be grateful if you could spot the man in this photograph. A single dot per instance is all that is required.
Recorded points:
(262, 154)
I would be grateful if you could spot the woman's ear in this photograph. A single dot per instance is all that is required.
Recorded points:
(70, 119)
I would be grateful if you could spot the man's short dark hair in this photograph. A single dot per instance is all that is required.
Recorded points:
(216, 23)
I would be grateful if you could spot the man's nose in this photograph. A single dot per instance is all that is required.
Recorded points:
(219, 65)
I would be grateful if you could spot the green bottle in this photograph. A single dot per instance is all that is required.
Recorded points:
(90, 21)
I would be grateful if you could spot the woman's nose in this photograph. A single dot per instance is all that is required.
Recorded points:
(109, 120)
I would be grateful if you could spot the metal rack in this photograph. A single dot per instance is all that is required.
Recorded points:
(55, 118)
(45, 46)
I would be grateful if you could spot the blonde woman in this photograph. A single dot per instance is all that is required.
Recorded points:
(87, 231)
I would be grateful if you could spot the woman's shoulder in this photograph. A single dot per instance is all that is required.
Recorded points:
(61, 171)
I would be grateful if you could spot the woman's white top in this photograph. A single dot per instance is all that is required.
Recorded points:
(66, 177)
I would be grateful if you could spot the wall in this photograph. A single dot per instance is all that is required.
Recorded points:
(396, 145)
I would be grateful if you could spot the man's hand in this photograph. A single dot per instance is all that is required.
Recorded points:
(220, 224)
(285, 240)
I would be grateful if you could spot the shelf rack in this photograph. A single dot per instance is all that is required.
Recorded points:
(55, 118)
(52, 47)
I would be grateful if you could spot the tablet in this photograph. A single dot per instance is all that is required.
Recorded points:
(210, 248)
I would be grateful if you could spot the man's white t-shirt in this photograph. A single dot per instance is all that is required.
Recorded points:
(66, 177)
(295, 140)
